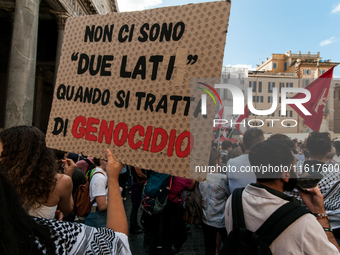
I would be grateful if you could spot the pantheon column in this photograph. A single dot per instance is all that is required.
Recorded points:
(39, 93)
(61, 19)
(22, 64)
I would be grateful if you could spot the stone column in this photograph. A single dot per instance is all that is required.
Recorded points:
(61, 19)
(39, 92)
(21, 74)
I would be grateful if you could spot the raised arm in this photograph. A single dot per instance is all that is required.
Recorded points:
(65, 187)
(116, 217)
(315, 203)
(69, 167)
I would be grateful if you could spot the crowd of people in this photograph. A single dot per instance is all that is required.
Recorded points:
(38, 187)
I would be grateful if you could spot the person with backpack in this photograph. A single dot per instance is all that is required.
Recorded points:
(138, 179)
(261, 219)
(123, 177)
(98, 195)
(215, 192)
(153, 201)
(168, 227)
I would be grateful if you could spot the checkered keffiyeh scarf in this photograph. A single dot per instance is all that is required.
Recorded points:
(330, 189)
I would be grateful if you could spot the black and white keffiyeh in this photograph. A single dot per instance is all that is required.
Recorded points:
(73, 238)
(330, 189)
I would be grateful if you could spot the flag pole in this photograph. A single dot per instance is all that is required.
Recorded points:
(298, 126)
(232, 130)
(219, 130)
(219, 134)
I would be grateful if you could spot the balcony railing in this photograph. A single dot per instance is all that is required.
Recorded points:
(276, 74)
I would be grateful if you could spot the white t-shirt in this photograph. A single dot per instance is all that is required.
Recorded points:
(238, 175)
(215, 192)
(304, 236)
(98, 185)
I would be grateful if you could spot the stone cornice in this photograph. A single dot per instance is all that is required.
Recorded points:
(87, 6)
(7, 4)
(61, 18)
(114, 5)
(105, 6)
(321, 64)
(73, 7)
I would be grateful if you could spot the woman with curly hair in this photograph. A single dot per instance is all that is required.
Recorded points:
(22, 234)
(32, 169)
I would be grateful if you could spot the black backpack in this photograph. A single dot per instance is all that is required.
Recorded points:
(242, 241)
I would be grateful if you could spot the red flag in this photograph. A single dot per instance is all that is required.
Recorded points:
(222, 139)
(245, 115)
(219, 116)
(319, 92)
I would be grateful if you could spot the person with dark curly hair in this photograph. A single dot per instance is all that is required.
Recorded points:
(22, 234)
(32, 169)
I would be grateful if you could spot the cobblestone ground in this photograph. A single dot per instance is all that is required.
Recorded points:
(193, 246)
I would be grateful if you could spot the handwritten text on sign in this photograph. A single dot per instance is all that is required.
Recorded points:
(124, 82)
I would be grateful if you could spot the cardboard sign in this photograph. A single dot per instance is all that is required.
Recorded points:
(124, 83)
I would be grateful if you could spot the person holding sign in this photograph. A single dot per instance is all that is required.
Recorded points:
(29, 235)
(32, 169)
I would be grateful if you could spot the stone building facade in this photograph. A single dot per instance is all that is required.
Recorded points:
(288, 70)
(31, 37)
(336, 124)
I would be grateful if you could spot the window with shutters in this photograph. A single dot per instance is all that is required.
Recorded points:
(252, 84)
(307, 71)
(271, 85)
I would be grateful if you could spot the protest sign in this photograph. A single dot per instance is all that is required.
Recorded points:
(124, 83)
